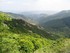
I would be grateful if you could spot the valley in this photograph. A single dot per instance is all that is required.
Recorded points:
(35, 33)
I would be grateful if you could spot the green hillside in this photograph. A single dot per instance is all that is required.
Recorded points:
(18, 36)
(61, 27)
(57, 24)
(59, 15)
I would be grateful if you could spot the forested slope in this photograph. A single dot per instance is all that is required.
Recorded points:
(18, 36)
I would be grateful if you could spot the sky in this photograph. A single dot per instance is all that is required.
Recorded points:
(34, 5)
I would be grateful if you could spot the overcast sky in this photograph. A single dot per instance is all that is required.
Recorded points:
(34, 5)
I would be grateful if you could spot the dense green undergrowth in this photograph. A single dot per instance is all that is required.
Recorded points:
(18, 36)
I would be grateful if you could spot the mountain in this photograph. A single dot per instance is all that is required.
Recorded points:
(59, 15)
(20, 16)
(59, 26)
(19, 36)
(37, 16)
(16, 35)
(16, 16)
(38, 12)
(34, 16)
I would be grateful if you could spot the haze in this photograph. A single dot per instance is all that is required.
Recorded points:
(34, 5)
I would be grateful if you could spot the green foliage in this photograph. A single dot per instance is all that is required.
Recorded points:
(24, 43)
(26, 46)
(18, 36)
(4, 16)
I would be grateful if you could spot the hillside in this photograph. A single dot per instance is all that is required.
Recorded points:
(59, 15)
(37, 16)
(20, 16)
(59, 26)
(18, 36)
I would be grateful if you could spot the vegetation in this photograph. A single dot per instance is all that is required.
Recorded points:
(18, 36)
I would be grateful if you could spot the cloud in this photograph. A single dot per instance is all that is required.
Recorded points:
(53, 4)
(28, 5)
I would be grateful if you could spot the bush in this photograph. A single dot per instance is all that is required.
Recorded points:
(26, 46)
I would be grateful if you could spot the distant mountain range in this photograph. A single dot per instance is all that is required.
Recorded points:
(36, 16)
(57, 23)
(59, 15)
